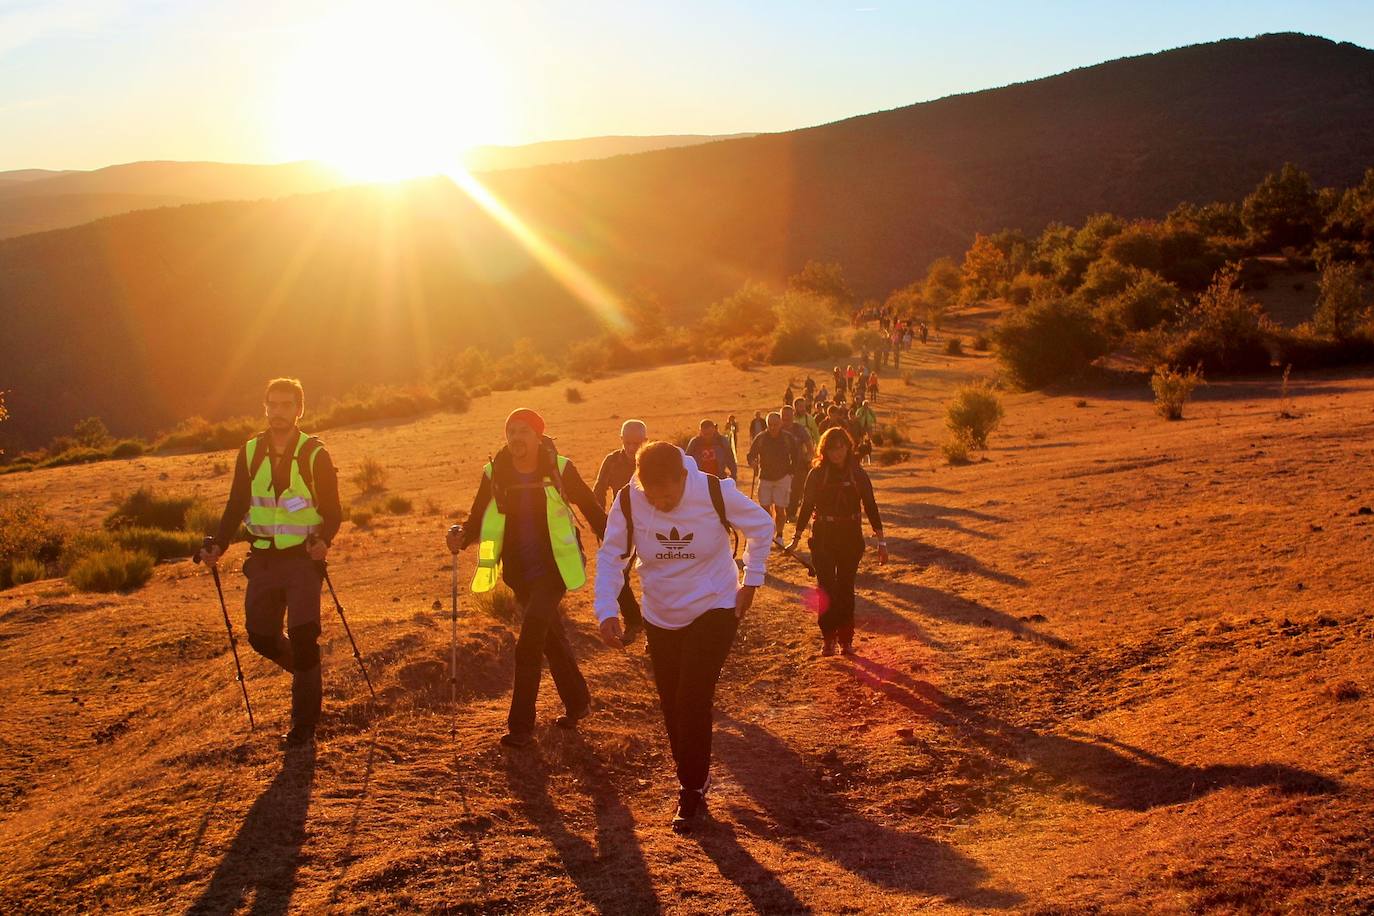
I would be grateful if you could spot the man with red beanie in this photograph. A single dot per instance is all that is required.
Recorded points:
(523, 518)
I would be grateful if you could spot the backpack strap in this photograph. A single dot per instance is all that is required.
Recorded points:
(259, 455)
(305, 462)
(623, 498)
(718, 502)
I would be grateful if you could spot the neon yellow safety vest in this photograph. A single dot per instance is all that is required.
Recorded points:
(283, 519)
(567, 552)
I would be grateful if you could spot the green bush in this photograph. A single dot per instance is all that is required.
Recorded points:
(1048, 341)
(1224, 332)
(384, 402)
(1173, 389)
(112, 570)
(361, 518)
(888, 434)
(128, 448)
(79, 455)
(1344, 301)
(1147, 302)
(197, 434)
(370, 476)
(980, 342)
(886, 457)
(202, 519)
(453, 394)
(573, 395)
(973, 413)
(146, 508)
(26, 533)
(1303, 350)
(954, 346)
(25, 570)
(399, 505)
(955, 450)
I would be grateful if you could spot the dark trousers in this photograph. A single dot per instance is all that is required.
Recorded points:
(287, 585)
(542, 635)
(835, 554)
(687, 664)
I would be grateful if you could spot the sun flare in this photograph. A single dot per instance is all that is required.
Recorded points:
(390, 93)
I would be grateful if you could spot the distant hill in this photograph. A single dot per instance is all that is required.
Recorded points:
(36, 200)
(150, 316)
(29, 174)
(495, 158)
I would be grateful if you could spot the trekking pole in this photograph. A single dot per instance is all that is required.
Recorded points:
(456, 530)
(229, 627)
(753, 480)
(810, 570)
(324, 570)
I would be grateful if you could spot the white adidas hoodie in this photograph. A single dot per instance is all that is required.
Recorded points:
(684, 557)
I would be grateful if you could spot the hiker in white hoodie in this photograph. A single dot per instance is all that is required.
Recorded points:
(675, 518)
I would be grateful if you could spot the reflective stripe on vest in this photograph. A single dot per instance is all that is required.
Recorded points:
(567, 551)
(283, 519)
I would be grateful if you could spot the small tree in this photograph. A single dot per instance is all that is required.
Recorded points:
(973, 413)
(1343, 302)
(1049, 340)
(747, 312)
(984, 274)
(943, 281)
(370, 476)
(91, 433)
(1173, 389)
(826, 280)
(1283, 210)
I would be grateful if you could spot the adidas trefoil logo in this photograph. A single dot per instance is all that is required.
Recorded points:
(674, 541)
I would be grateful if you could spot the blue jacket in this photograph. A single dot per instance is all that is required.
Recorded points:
(725, 455)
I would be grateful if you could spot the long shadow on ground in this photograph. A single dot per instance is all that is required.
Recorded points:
(1087, 768)
(794, 802)
(261, 861)
(611, 874)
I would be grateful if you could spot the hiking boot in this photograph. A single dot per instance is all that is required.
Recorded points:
(829, 648)
(690, 807)
(299, 736)
(569, 720)
(847, 650)
(517, 739)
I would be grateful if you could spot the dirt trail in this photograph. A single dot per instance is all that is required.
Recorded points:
(1101, 673)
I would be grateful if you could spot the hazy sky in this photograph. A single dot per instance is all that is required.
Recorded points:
(86, 83)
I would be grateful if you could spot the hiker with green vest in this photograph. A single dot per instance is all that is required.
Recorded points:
(523, 524)
(286, 493)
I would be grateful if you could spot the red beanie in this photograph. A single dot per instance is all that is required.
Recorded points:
(528, 417)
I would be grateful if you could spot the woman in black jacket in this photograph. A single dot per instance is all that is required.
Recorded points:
(835, 489)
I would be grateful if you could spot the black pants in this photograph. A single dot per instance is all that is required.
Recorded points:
(287, 585)
(835, 554)
(687, 664)
(542, 635)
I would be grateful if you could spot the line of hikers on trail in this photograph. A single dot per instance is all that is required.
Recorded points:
(674, 515)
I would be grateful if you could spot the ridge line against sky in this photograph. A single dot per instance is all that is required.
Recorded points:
(88, 83)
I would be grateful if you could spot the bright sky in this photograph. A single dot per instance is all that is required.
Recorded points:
(403, 85)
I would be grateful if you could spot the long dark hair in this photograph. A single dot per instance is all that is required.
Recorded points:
(829, 438)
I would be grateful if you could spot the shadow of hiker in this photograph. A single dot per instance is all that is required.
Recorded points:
(953, 560)
(1086, 768)
(767, 893)
(347, 857)
(261, 861)
(792, 797)
(932, 517)
(932, 602)
(611, 874)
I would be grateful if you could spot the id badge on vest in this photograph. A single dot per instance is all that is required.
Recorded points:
(294, 504)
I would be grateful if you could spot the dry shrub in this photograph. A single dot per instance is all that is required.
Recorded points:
(399, 505)
(1173, 389)
(955, 450)
(25, 570)
(973, 413)
(112, 570)
(370, 476)
(889, 456)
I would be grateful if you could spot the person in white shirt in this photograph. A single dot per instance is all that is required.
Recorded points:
(693, 600)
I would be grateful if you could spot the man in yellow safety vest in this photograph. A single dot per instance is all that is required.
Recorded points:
(522, 520)
(286, 493)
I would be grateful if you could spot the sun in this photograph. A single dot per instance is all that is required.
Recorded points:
(390, 92)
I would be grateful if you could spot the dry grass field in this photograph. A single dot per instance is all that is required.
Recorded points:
(1115, 665)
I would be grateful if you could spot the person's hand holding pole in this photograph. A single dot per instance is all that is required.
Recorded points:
(454, 539)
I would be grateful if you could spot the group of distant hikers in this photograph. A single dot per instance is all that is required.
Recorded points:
(673, 514)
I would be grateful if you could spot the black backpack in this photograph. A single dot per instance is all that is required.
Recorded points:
(717, 501)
